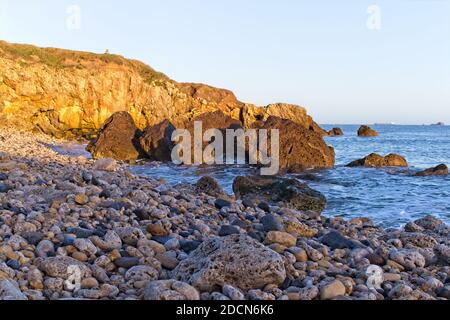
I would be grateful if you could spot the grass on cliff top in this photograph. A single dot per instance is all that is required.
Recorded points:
(60, 59)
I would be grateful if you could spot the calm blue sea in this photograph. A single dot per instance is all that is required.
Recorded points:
(388, 196)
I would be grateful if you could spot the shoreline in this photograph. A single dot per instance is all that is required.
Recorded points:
(133, 237)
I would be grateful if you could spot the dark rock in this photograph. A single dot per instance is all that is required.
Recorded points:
(429, 223)
(142, 214)
(100, 232)
(161, 239)
(290, 192)
(156, 141)
(228, 230)
(81, 233)
(440, 170)
(300, 148)
(13, 264)
(272, 223)
(209, 186)
(264, 206)
(377, 161)
(34, 237)
(376, 259)
(336, 132)
(239, 223)
(444, 292)
(213, 120)
(3, 176)
(105, 194)
(188, 245)
(366, 131)
(222, 203)
(126, 262)
(118, 139)
(248, 203)
(4, 188)
(335, 240)
(68, 240)
(87, 176)
(257, 235)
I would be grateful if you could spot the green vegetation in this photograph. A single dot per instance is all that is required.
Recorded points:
(59, 59)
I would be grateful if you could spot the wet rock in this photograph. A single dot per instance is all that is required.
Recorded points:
(429, 223)
(377, 161)
(156, 141)
(236, 260)
(440, 170)
(118, 139)
(170, 290)
(209, 186)
(291, 193)
(366, 131)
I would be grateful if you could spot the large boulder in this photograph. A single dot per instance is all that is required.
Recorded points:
(377, 161)
(251, 114)
(366, 131)
(440, 170)
(156, 141)
(213, 120)
(300, 148)
(118, 139)
(236, 260)
(289, 192)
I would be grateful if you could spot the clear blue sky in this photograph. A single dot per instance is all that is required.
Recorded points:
(319, 54)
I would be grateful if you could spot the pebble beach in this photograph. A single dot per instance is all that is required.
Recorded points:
(138, 238)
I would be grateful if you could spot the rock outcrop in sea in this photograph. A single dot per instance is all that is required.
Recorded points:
(366, 131)
(378, 161)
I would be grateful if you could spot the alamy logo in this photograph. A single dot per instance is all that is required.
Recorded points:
(232, 147)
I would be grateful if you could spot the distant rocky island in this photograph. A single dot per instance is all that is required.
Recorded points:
(128, 237)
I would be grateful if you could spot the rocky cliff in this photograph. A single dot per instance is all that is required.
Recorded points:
(71, 94)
